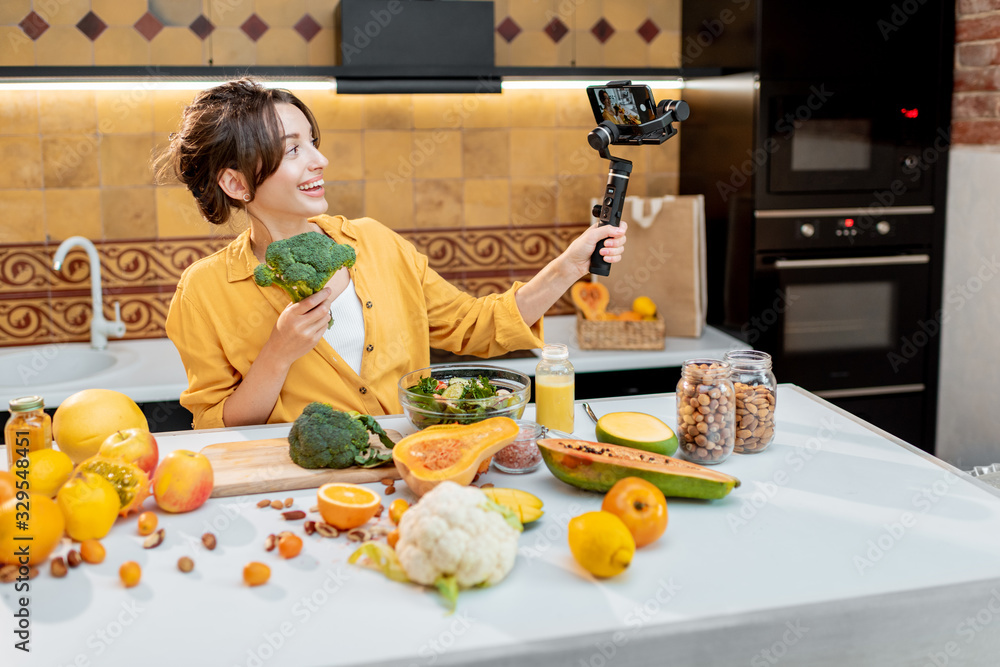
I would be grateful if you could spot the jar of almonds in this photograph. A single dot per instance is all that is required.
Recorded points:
(706, 411)
(756, 392)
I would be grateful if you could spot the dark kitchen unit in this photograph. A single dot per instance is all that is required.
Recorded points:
(823, 161)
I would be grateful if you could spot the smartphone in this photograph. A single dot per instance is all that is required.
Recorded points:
(627, 106)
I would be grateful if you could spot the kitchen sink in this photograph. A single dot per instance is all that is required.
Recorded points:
(56, 364)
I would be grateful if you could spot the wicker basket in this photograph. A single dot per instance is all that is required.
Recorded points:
(620, 335)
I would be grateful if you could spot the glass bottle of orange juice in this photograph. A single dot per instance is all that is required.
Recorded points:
(29, 428)
(555, 385)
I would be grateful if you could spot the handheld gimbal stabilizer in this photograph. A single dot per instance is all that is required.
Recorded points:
(654, 131)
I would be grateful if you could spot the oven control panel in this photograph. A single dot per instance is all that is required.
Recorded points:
(842, 231)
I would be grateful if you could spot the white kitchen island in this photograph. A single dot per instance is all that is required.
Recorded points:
(842, 547)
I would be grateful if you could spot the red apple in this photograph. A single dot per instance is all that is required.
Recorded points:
(183, 481)
(135, 445)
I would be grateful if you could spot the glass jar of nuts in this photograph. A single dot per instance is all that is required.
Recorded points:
(756, 393)
(706, 411)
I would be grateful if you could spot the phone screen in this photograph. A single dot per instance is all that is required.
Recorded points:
(625, 106)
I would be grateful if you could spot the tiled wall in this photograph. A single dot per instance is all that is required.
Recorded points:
(491, 187)
(633, 33)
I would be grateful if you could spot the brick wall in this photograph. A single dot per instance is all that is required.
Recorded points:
(976, 101)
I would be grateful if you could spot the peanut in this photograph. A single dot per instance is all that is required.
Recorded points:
(706, 414)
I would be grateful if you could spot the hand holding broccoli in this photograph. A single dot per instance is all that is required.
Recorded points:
(302, 264)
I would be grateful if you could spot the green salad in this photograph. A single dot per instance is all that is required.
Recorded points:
(459, 401)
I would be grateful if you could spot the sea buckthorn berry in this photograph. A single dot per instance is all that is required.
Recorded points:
(255, 574)
(289, 545)
(147, 523)
(130, 573)
(92, 551)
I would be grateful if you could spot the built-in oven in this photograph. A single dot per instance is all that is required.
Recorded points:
(841, 300)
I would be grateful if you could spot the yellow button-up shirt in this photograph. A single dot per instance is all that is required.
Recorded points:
(220, 318)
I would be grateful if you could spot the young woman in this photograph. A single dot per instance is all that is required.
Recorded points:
(251, 355)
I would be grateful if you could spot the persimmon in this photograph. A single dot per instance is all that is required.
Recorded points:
(641, 506)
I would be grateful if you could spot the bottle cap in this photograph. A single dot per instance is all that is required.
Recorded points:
(555, 351)
(26, 404)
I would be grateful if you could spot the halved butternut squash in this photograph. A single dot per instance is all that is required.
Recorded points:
(453, 453)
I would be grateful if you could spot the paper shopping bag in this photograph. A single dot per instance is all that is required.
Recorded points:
(664, 259)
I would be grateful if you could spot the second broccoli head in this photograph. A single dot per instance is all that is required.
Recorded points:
(322, 437)
(302, 264)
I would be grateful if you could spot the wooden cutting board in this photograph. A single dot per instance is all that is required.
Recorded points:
(260, 466)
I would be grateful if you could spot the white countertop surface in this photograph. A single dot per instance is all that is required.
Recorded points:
(842, 547)
(151, 369)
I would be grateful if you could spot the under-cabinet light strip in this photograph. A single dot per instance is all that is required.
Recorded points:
(147, 84)
(329, 84)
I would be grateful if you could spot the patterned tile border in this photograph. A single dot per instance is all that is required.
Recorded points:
(37, 305)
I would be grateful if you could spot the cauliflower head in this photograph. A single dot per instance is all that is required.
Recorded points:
(457, 534)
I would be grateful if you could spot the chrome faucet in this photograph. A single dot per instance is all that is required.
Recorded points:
(100, 328)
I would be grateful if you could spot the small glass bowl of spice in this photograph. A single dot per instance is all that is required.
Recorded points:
(522, 455)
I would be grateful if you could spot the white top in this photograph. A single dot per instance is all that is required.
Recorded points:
(347, 335)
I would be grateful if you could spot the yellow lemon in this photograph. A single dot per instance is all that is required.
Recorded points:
(89, 504)
(601, 543)
(48, 469)
(644, 306)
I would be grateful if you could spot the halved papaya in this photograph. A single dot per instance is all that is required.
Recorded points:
(591, 298)
(596, 466)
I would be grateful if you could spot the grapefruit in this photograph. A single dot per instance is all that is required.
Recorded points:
(84, 420)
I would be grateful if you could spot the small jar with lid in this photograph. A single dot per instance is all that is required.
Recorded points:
(28, 428)
(756, 395)
(522, 455)
(706, 411)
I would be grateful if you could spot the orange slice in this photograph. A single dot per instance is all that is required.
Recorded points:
(345, 506)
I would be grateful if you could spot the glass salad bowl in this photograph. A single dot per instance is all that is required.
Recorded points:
(462, 394)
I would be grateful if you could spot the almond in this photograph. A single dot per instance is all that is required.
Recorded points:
(293, 515)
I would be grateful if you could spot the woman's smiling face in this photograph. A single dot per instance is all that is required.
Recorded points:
(295, 191)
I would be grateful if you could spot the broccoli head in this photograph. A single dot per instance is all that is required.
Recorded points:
(302, 264)
(322, 437)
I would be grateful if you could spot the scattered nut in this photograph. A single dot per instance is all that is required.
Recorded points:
(154, 540)
(185, 564)
(387, 482)
(277, 504)
(380, 509)
(289, 502)
(270, 542)
(263, 503)
(309, 527)
(358, 535)
(283, 533)
(58, 568)
(326, 530)
(390, 490)
(293, 515)
(8, 573)
(314, 509)
(73, 558)
(487, 485)
(208, 539)
(377, 531)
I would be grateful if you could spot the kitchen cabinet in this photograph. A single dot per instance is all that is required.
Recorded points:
(842, 546)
